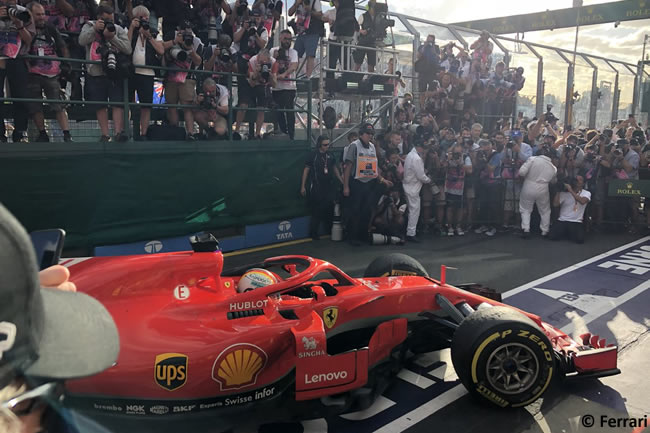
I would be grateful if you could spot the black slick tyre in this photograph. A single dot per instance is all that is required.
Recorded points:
(393, 265)
(502, 357)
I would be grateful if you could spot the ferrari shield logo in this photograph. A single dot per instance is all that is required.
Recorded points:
(330, 314)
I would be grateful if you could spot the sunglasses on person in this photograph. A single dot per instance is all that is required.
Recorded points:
(34, 399)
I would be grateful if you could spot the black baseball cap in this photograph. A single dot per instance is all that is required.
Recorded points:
(47, 334)
(367, 128)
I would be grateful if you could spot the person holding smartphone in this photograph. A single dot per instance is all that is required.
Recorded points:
(48, 334)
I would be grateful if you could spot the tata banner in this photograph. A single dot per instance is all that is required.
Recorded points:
(593, 14)
(629, 188)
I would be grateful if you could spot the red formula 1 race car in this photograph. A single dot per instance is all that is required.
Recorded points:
(298, 337)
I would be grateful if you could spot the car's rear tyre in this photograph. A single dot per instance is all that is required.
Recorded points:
(393, 265)
(502, 357)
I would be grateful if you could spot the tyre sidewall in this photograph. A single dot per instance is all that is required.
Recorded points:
(475, 361)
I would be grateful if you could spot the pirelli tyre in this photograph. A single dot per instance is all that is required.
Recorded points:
(396, 264)
(502, 357)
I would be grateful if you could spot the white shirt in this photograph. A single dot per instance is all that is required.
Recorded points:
(572, 210)
(525, 151)
(223, 96)
(538, 169)
(293, 58)
(414, 169)
(139, 57)
(330, 16)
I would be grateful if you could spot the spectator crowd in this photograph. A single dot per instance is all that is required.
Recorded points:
(433, 179)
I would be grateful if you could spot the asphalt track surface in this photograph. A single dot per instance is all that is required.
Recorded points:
(574, 287)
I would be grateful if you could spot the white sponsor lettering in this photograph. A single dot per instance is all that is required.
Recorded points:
(135, 409)
(636, 262)
(111, 407)
(235, 306)
(159, 410)
(284, 236)
(9, 330)
(311, 354)
(326, 377)
(210, 405)
(239, 400)
(243, 399)
(178, 409)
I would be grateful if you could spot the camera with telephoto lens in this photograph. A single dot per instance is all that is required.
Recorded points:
(617, 153)
(214, 27)
(188, 38)
(382, 23)
(224, 55)
(178, 53)
(252, 28)
(265, 71)
(19, 12)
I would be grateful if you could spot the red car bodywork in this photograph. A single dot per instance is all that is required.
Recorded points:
(190, 342)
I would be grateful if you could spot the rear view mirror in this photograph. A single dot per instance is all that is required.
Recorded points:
(48, 245)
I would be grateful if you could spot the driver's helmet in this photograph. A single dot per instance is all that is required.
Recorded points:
(256, 278)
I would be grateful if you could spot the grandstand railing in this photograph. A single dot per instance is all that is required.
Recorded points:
(127, 105)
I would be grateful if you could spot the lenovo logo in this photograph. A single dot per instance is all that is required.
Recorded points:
(326, 377)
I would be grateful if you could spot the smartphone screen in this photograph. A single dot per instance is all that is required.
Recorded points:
(48, 245)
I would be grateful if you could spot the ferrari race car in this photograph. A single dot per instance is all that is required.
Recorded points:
(301, 339)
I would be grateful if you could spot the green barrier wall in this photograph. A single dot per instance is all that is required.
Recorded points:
(104, 194)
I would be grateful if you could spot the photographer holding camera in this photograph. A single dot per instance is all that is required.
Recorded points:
(146, 51)
(483, 49)
(427, 66)
(17, 31)
(44, 74)
(174, 13)
(262, 75)
(284, 93)
(105, 41)
(251, 38)
(180, 86)
(458, 166)
(309, 28)
(206, 19)
(572, 203)
(220, 58)
(212, 109)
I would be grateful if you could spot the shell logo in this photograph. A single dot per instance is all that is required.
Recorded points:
(238, 366)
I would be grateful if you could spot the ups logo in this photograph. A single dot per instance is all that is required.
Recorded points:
(170, 370)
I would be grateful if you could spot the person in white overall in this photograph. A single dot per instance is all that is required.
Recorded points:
(414, 178)
(538, 172)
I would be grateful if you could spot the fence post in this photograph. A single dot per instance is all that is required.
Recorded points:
(230, 106)
(309, 109)
(126, 115)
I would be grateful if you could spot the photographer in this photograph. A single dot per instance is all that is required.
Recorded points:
(284, 93)
(220, 58)
(572, 203)
(571, 157)
(309, 28)
(174, 14)
(17, 29)
(180, 86)
(105, 41)
(146, 51)
(262, 75)
(83, 11)
(57, 12)
(483, 49)
(459, 165)
(488, 164)
(213, 109)
(250, 38)
(367, 38)
(206, 17)
(511, 162)
(427, 66)
(44, 74)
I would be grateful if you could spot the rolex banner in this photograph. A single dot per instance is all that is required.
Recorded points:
(629, 188)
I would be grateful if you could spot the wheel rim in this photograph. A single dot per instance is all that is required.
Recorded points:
(512, 368)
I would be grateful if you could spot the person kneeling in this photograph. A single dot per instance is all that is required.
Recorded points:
(572, 202)
(212, 108)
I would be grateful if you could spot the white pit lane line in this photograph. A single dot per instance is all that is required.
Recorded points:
(420, 413)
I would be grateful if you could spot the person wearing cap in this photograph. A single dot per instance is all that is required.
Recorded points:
(414, 178)
(538, 172)
(525, 150)
(46, 335)
(360, 180)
